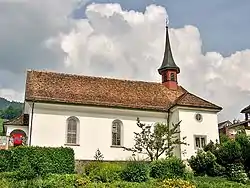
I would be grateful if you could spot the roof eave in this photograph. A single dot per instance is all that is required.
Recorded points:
(95, 105)
(164, 68)
(216, 109)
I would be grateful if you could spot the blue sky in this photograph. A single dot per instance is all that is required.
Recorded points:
(224, 25)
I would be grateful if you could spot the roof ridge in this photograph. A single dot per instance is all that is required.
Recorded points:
(96, 77)
(204, 99)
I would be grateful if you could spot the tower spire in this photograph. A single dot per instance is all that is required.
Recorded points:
(169, 69)
(168, 60)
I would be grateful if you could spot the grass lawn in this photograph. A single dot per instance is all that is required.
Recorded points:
(216, 182)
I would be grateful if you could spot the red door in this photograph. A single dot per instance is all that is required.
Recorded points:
(17, 139)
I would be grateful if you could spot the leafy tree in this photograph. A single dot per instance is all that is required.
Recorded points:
(163, 139)
(11, 112)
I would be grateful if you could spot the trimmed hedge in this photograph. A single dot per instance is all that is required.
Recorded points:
(30, 162)
(5, 161)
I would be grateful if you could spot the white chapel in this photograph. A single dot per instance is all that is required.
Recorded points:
(89, 113)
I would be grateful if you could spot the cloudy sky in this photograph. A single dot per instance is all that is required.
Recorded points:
(125, 39)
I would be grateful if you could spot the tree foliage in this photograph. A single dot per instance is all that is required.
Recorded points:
(156, 141)
(98, 155)
(11, 112)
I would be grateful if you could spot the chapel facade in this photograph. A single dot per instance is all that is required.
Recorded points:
(89, 113)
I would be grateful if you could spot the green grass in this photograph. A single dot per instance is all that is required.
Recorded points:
(217, 182)
(201, 182)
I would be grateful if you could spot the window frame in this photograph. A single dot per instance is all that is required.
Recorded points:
(120, 123)
(200, 137)
(76, 131)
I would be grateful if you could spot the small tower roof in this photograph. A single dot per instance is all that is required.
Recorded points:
(168, 61)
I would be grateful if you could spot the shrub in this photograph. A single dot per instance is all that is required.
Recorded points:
(4, 183)
(5, 161)
(229, 153)
(105, 172)
(27, 183)
(205, 163)
(135, 172)
(168, 168)
(212, 147)
(7, 175)
(216, 170)
(60, 180)
(237, 173)
(169, 183)
(91, 166)
(82, 181)
(44, 160)
(244, 142)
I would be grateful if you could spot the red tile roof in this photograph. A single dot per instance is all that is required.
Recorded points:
(54, 87)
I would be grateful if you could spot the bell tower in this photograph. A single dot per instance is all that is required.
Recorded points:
(169, 69)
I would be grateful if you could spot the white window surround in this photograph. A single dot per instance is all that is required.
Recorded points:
(72, 133)
(199, 141)
(117, 133)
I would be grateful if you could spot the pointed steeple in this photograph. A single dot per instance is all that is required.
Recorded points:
(168, 61)
(169, 69)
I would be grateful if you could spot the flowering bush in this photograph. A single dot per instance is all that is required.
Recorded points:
(237, 173)
(177, 183)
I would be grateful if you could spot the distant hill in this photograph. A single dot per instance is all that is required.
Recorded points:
(9, 110)
(4, 104)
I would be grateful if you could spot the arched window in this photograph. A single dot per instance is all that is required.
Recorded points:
(172, 77)
(72, 130)
(116, 132)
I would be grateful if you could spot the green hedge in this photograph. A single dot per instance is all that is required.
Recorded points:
(5, 161)
(30, 162)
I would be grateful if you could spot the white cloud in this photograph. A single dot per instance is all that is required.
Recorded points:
(11, 94)
(115, 43)
(127, 44)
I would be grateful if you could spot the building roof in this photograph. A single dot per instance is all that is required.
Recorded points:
(246, 109)
(42, 86)
(224, 123)
(23, 119)
(245, 123)
(168, 60)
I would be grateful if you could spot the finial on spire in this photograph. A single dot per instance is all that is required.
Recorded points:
(167, 21)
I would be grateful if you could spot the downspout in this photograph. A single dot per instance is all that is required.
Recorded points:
(31, 122)
(168, 122)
